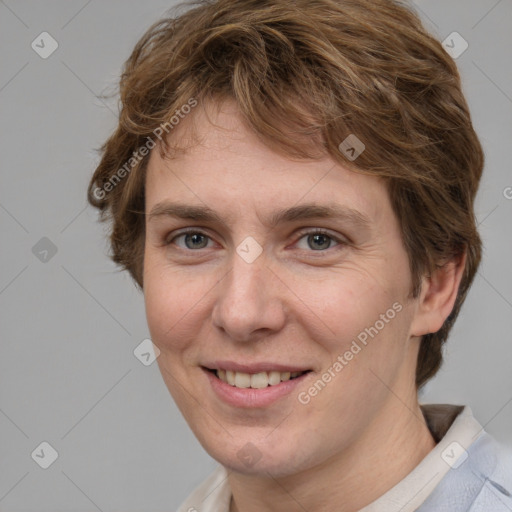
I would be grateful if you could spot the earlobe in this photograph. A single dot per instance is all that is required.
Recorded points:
(437, 297)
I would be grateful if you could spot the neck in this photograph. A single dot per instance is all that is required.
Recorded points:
(390, 448)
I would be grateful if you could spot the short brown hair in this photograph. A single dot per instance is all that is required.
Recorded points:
(305, 74)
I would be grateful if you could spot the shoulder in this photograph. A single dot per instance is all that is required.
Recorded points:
(492, 466)
(481, 482)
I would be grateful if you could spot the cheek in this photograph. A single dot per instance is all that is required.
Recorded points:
(362, 324)
(173, 301)
(346, 301)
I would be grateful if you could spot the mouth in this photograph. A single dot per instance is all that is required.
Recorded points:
(260, 380)
(256, 385)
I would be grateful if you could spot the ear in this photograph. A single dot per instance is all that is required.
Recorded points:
(437, 297)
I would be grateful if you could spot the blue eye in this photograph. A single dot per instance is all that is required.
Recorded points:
(315, 240)
(193, 240)
(319, 240)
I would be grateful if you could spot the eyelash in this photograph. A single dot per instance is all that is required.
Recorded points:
(300, 235)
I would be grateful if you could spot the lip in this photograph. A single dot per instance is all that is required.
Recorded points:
(263, 366)
(249, 397)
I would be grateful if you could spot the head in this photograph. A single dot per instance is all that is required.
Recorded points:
(245, 109)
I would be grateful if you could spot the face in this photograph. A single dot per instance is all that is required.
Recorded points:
(289, 280)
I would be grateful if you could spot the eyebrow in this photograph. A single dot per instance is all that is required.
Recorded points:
(299, 212)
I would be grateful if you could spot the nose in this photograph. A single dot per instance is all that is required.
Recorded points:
(249, 302)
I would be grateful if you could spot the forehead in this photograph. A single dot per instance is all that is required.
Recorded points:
(215, 159)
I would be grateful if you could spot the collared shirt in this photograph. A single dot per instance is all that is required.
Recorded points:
(467, 471)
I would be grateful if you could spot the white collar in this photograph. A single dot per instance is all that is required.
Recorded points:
(408, 494)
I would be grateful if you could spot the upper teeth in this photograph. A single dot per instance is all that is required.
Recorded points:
(255, 380)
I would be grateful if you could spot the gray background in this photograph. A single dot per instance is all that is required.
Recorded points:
(68, 374)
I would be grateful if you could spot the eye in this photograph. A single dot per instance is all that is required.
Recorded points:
(192, 240)
(315, 240)
(318, 240)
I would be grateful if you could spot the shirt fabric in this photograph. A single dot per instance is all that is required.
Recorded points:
(467, 471)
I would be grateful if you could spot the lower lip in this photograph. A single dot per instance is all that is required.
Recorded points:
(249, 397)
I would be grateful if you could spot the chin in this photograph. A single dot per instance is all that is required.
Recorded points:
(260, 458)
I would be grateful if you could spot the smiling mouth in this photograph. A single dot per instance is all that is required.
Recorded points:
(258, 380)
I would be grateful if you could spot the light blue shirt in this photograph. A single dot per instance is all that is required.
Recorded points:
(482, 483)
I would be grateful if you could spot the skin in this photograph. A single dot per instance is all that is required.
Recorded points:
(295, 304)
